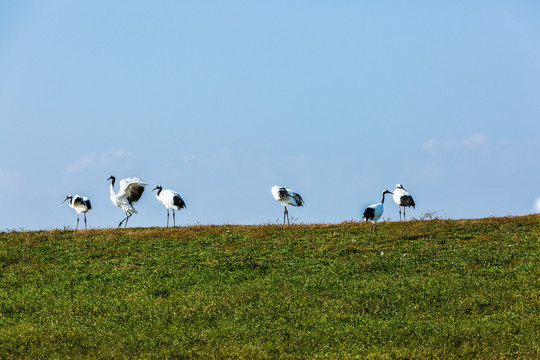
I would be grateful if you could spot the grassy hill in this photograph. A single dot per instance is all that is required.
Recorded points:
(423, 289)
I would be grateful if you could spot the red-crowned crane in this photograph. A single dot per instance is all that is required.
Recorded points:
(403, 199)
(131, 190)
(374, 212)
(81, 204)
(171, 200)
(286, 197)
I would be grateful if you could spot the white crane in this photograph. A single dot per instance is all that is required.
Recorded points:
(286, 197)
(81, 204)
(171, 200)
(403, 199)
(130, 192)
(374, 212)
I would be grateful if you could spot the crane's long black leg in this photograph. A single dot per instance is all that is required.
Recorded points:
(127, 218)
(284, 214)
(167, 217)
(85, 227)
(404, 214)
(399, 207)
(122, 220)
(173, 218)
(370, 232)
(77, 228)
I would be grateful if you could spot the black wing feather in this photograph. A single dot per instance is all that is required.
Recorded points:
(135, 193)
(80, 201)
(369, 214)
(299, 200)
(178, 201)
(283, 193)
(407, 200)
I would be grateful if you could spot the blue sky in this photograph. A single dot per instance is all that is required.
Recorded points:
(222, 100)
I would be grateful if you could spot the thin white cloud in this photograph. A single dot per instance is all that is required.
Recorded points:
(118, 153)
(475, 140)
(8, 177)
(96, 160)
(430, 145)
(188, 157)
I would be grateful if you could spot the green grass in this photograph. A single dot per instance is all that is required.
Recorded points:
(424, 289)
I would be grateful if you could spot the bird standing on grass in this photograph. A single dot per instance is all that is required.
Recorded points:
(131, 190)
(81, 204)
(374, 212)
(403, 199)
(286, 197)
(171, 200)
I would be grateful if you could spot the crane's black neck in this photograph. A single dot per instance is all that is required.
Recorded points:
(159, 190)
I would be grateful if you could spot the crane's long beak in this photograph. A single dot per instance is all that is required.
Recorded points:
(65, 199)
(109, 178)
(155, 188)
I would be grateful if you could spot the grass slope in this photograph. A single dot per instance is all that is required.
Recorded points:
(423, 289)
